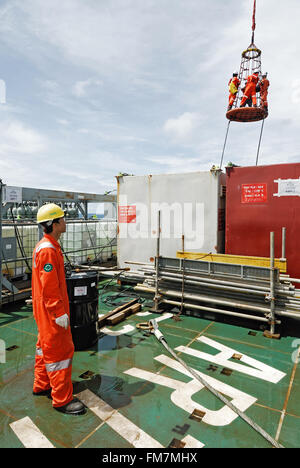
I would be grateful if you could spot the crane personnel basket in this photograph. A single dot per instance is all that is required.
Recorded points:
(250, 64)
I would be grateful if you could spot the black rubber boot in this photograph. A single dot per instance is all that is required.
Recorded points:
(43, 392)
(74, 407)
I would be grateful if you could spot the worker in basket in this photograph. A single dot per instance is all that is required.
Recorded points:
(55, 348)
(264, 87)
(250, 90)
(249, 100)
(233, 84)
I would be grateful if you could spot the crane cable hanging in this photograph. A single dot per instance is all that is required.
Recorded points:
(222, 158)
(253, 22)
(259, 143)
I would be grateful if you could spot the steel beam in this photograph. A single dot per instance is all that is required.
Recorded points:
(32, 194)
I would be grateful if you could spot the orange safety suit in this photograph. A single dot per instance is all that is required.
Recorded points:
(264, 86)
(55, 348)
(250, 91)
(232, 96)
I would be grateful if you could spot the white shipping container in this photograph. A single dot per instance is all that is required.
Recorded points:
(191, 204)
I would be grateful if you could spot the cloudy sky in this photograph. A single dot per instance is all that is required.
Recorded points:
(99, 87)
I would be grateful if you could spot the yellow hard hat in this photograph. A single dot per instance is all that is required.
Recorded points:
(49, 212)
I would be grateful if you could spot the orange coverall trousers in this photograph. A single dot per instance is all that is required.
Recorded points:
(250, 90)
(55, 348)
(264, 87)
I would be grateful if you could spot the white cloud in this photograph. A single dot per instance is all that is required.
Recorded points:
(17, 139)
(112, 135)
(50, 85)
(23, 154)
(295, 97)
(182, 126)
(80, 87)
(178, 164)
(63, 122)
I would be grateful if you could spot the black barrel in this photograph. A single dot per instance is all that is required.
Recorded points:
(83, 298)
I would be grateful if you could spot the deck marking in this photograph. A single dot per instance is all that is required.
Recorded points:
(89, 435)
(123, 331)
(130, 328)
(287, 397)
(190, 442)
(192, 341)
(22, 331)
(164, 317)
(123, 426)
(2, 352)
(249, 344)
(183, 392)
(120, 424)
(257, 369)
(29, 434)
(18, 321)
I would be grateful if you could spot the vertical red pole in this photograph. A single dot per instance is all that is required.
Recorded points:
(253, 21)
(254, 13)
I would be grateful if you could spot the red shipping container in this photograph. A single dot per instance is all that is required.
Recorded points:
(259, 200)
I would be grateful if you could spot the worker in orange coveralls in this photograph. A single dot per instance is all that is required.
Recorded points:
(233, 84)
(250, 91)
(55, 348)
(264, 86)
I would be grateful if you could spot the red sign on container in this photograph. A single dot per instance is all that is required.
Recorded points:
(127, 214)
(254, 193)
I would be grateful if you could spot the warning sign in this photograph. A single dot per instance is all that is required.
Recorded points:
(127, 214)
(288, 188)
(254, 193)
(13, 195)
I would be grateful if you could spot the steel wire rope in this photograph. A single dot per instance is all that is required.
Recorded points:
(260, 138)
(219, 395)
(225, 142)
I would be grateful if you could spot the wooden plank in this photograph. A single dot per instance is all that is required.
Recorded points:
(117, 318)
(132, 310)
(102, 320)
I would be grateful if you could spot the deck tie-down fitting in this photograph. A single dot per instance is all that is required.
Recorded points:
(154, 327)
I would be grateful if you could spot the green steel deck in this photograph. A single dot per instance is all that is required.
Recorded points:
(138, 396)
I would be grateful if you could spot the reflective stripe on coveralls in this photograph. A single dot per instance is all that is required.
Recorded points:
(39, 248)
(53, 367)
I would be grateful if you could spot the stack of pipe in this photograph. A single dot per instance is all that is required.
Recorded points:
(247, 298)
